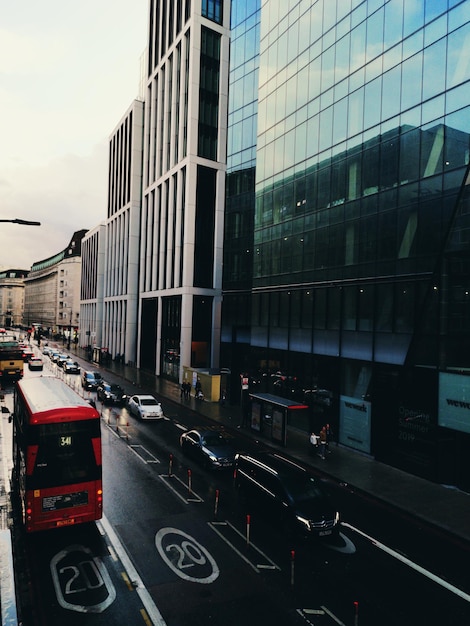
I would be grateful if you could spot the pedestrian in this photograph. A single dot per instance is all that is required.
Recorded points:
(313, 442)
(329, 437)
(323, 442)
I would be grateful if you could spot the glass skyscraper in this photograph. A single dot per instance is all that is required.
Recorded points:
(346, 279)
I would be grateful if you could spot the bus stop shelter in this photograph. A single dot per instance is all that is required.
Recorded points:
(271, 415)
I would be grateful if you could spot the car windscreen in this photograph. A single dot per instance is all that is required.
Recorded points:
(214, 441)
(148, 402)
(300, 488)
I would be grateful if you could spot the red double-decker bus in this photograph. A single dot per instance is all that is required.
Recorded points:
(57, 471)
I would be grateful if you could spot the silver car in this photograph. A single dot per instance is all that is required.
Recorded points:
(145, 407)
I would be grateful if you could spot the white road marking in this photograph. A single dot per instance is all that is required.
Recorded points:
(192, 496)
(137, 450)
(411, 564)
(149, 605)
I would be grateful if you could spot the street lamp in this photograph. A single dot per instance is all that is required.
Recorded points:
(22, 222)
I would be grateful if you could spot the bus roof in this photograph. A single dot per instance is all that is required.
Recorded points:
(51, 400)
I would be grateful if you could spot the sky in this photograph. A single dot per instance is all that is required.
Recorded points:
(68, 73)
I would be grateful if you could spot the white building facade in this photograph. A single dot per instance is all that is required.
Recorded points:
(184, 162)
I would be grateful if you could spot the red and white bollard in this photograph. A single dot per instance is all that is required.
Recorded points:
(216, 505)
(170, 466)
(189, 481)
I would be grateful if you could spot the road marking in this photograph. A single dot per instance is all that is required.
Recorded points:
(411, 564)
(185, 556)
(140, 452)
(269, 565)
(129, 585)
(154, 614)
(191, 495)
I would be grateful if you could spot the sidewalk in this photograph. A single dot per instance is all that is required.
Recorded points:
(438, 505)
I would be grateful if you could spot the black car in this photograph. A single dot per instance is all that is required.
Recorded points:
(210, 446)
(288, 493)
(110, 393)
(91, 380)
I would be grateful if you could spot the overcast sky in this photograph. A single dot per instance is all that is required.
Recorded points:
(68, 73)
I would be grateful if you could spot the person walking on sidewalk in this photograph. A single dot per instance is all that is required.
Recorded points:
(314, 439)
(323, 442)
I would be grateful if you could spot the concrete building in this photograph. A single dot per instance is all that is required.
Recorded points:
(12, 297)
(121, 270)
(92, 288)
(52, 290)
(305, 176)
(184, 157)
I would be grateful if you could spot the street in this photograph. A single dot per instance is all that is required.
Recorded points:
(177, 546)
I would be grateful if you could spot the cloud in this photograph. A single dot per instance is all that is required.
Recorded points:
(68, 194)
(68, 73)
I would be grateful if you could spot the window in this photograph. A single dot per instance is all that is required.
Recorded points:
(212, 9)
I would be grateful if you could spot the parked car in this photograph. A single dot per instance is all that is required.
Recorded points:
(91, 380)
(71, 367)
(145, 407)
(35, 363)
(61, 359)
(57, 356)
(110, 393)
(211, 447)
(46, 350)
(53, 354)
(287, 493)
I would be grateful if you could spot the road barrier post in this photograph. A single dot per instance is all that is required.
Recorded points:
(292, 567)
(189, 481)
(356, 613)
(248, 522)
(216, 503)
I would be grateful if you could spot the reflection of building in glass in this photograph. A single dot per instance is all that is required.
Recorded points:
(346, 255)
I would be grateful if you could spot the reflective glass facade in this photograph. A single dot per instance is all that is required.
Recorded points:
(360, 272)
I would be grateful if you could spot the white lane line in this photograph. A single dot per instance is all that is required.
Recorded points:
(192, 495)
(270, 565)
(137, 450)
(411, 564)
(149, 605)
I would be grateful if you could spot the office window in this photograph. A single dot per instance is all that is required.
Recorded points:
(212, 9)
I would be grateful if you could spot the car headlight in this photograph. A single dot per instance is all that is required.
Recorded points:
(213, 458)
(337, 518)
(302, 520)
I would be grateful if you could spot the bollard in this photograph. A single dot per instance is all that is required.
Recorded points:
(356, 613)
(170, 466)
(248, 521)
(216, 503)
(292, 561)
(189, 481)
